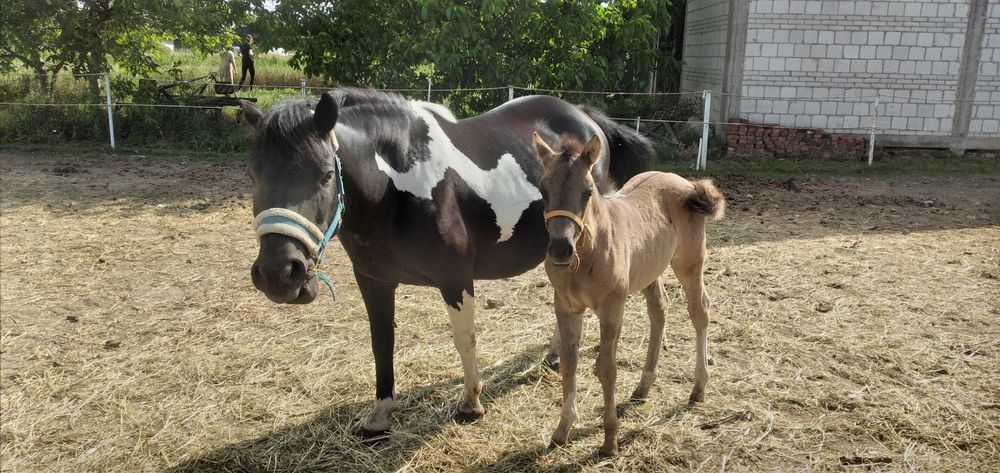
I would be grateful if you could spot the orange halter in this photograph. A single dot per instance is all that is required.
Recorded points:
(578, 221)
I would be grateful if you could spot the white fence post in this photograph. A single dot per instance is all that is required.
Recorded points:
(703, 145)
(510, 93)
(871, 138)
(111, 115)
(302, 87)
(637, 124)
(428, 89)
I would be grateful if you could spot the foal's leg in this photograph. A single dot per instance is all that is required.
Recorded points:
(461, 311)
(656, 307)
(688, 264)
(551, 359)
(607, 370)
(569, 322)
(380, 302)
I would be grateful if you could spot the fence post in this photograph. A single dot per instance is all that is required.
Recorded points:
(706, 117)
(871, 138)
(111, 115)
(302, 87)
(636, 124)
(428, 89)
(510, 93)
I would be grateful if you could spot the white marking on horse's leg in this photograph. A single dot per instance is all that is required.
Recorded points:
(570, 325)
(378, 420)
(552, 357)
(463, 330)
(656, 307)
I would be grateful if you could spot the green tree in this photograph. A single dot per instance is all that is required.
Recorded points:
(90, 36)
(474, 43)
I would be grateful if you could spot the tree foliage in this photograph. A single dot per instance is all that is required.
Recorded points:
(473, 43)
(89, 36)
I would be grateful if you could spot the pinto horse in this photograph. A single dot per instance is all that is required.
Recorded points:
(419, 198)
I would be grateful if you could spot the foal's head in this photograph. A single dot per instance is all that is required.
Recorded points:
(567, 188)
(293, 167)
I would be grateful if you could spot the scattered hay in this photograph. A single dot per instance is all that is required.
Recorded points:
(132, 340)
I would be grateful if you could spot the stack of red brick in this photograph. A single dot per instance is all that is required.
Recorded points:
(749, 138)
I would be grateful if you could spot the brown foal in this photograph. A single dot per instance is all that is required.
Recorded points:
(603, 248)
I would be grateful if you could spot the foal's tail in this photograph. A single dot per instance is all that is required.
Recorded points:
(706, 199)
(631, 153)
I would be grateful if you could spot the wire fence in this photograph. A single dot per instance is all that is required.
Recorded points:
(848, 111)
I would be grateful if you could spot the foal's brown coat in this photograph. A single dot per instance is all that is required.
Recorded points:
(628, 239)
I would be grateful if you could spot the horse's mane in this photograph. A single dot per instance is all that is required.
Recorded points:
(569, 146)
(287, 128)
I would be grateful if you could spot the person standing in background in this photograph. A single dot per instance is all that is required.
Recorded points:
(246, 52)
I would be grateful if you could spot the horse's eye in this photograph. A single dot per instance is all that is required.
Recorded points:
(327, 178)
(587, 193)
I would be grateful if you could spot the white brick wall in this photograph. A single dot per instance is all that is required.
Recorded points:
(705, 27)
(986, 111)
(823, 61)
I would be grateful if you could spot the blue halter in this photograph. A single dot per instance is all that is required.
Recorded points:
(289, 223)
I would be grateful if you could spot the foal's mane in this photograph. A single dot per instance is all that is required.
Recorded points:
(287, 129)
(570, 146)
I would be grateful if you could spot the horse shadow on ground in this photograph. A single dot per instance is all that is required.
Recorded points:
(526, 459)
(328, 441)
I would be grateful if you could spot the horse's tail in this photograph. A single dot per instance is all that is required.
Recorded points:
(631, 153)
(706, 199)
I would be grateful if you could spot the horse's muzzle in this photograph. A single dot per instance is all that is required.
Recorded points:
(287, 283)
(561, 251)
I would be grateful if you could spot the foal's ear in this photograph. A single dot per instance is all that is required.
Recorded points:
(591, 151)
(326, 114)
(543, 151)
(251, 112)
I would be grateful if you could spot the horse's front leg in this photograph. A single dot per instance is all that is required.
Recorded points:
(380, 301)
(461, 305)
(551, 359)
(610, 313)
(569, 322)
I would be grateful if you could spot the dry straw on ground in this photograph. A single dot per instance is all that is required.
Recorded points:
(854, 327)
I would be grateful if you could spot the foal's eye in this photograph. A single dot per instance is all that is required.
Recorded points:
(327, 178)
(587, 193)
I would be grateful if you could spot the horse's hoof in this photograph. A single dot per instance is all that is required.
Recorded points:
(551, 363)
(639, 396)
(556, 443)
(372, 436)
(608, 452)
(462, 417)
(698, 395)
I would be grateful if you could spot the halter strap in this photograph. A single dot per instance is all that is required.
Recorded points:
(570, 215)
(292, 224)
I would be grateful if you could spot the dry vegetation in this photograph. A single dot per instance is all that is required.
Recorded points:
(854, 326)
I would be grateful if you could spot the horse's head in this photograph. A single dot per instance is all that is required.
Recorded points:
(296, 194)
(567, 187)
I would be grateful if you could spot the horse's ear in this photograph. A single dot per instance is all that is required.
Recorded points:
(326, 114)
(592, 151)
(543, 151)
(251, 112)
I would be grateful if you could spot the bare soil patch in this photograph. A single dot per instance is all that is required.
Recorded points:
(854, 326)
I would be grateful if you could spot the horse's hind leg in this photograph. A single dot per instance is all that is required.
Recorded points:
(688, 265)
(656, 307)
(551, 359)
(461, 305)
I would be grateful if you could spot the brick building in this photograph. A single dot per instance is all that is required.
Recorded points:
(818, 65)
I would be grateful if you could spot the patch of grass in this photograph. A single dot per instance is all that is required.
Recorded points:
(893, 163)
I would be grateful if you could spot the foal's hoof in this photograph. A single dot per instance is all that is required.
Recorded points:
(463, 417)
(697, 395)
(372, 436)
(551, 362)
(606, 452)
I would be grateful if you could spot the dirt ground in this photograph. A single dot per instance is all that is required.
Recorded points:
(854, 328)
